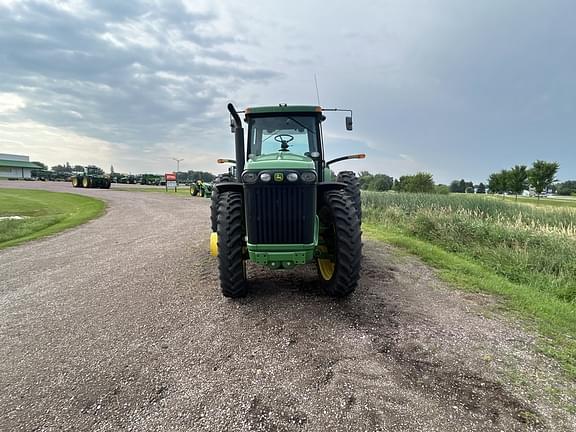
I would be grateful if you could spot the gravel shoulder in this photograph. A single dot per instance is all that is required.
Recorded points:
(119, 325)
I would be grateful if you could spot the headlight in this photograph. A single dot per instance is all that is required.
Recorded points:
(265, 177)
(249, 177)
(308, 176)
(292, 177)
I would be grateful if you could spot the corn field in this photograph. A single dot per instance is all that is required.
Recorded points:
(535, 246)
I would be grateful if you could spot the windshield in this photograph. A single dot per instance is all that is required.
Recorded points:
(294, 134)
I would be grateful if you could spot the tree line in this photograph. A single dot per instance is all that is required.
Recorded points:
(65, 170)
(540, 178)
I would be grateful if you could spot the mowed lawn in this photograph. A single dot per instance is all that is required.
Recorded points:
(44, 213)
(524, 252)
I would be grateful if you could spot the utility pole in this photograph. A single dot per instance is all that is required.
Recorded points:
(177, 167)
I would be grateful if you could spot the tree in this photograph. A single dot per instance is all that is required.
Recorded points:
(365, 179)
(497, 182)
(455, 187)
(381, 182)
(41, 165)
(516, 180)
(542, 175)
(441, 189)
(566, 188)
(420, 182)
(481, 189)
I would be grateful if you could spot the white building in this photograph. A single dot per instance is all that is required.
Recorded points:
(15, 166)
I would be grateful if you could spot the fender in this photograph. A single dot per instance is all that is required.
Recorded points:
(229, 187)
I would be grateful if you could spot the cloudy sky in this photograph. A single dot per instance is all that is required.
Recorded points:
(456, 88)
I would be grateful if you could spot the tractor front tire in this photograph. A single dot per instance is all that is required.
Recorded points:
(341, 244)
(86, 182)
(231, 264)
(353, 190)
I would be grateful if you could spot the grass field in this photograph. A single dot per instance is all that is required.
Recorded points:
(44, 213)
(524, 253)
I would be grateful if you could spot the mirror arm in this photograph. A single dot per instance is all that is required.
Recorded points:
(340, 159)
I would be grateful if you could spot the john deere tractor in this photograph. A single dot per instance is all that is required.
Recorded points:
(283, 207)
(201, 188)
(92, 177)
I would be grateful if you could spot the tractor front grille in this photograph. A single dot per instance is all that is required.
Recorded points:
(280, 213)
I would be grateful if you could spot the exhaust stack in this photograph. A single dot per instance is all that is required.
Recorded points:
(239, 141)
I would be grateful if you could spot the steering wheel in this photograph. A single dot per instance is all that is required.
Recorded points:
(284, 139)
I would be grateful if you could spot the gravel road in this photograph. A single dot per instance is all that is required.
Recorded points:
(119, 325)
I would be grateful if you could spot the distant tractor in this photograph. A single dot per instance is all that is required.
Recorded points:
(200, 188)
(92, 177)
(282, 207)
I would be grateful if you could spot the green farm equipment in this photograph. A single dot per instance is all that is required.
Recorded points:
(92, 177)
(200, 188)
(283, 207)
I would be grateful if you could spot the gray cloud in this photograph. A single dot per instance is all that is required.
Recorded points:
(127, 72)
(456, 88)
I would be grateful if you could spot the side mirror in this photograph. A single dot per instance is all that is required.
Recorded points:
(232, 125)
(349, 123)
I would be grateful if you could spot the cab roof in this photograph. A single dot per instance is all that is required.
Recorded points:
(283, 108)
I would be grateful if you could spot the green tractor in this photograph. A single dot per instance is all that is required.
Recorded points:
(200, 188)
(283, 207)
(92, 177)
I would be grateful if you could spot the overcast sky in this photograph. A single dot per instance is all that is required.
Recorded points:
(456, 88)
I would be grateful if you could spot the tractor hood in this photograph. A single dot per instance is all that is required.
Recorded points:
(280, 160)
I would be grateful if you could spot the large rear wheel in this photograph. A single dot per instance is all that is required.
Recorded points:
(231, 263)
(340, 247)
(75, 182)
(353, 190)
(221, 178)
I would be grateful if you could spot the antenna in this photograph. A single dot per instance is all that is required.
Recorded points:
(317, 92)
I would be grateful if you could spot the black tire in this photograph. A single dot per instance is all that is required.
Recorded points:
(221, 178)
(341, 236)
(353, 190)
(193, 190)
(106, 184)
(231, 262)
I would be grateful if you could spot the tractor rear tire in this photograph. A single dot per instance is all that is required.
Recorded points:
(353, 190)
(86, 182)
(341, 239)
(231, 263)
(220, 178)
(193, 190)
(75, 182)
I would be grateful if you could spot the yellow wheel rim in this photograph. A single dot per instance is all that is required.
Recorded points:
(326, 266)
(74, 182)
(214, 244)
(85, 181)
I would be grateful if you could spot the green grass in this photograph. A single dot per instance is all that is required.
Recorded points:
(523, 253)
(46, 213)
